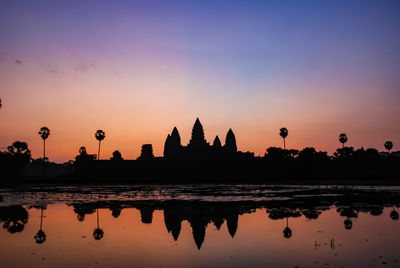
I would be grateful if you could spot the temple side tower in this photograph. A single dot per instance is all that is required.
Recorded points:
(230, 142)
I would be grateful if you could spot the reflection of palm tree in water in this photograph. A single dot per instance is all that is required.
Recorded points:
(394, 214)
(349, 213)
(287, 232)
(348, 224)
(115, 212)
(80, 217)
(14, 217)
(82, 210)
(98, 233)
(40, 237)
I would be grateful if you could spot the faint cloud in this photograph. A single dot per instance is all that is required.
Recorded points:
(84, 67)
(50, 68)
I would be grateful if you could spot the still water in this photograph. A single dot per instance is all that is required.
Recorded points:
(200, 226)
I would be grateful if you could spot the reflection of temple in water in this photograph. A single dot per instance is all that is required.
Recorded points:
(200, 214)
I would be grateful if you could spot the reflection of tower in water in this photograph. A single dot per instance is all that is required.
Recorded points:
(232, 223)
(172, 221)
(199, 231)
(199, 216)
(146, 215)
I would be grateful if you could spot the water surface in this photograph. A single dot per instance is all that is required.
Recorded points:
(199, 226)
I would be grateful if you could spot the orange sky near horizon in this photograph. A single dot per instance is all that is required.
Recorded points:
(74, 106)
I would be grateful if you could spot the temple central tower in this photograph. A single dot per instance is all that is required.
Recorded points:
(197, 140)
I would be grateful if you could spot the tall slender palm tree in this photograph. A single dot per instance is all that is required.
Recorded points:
(343, 139)
(44, 132)
(100, 135)
(284, 132)
(389, 145)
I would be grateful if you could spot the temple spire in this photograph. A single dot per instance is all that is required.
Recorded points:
(167, 146)
(172, 146)
(217, 142)
(197, 139)
(230, 142)
(175, 137)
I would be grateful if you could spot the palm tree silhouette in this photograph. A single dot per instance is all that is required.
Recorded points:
(98, 233)
(287, 232)
(44, 132)
(343, 139)
(284, 132)
(394, 215)
(40, 237)
(100, 135)
(389, 146)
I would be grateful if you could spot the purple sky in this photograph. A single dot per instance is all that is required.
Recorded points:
(138, 68)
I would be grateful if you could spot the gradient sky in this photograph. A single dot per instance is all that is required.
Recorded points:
(136, 69)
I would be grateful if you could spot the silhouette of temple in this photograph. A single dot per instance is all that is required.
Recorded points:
(198, 148)
(147, 152)
(205, 161)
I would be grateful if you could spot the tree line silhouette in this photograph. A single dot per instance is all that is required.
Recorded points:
(200, 160)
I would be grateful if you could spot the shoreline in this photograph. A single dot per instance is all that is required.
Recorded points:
(146, 181)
